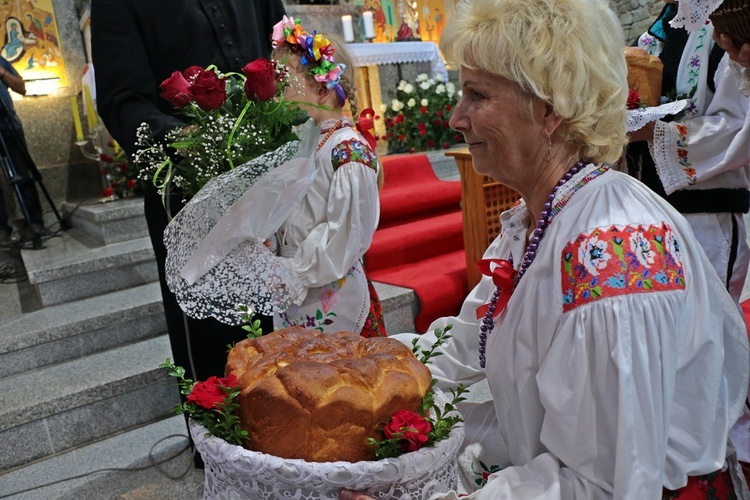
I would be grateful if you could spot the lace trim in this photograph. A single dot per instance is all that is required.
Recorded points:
(234, 472)
(693, 14)
(637, 118)
(661, 149)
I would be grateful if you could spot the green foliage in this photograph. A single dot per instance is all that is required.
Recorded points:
(221, 422)
(441, 337)
(250, 325)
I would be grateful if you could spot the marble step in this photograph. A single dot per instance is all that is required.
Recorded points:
(57, 408)
(68, 331)
(162, 439)
(74, 266)
(109, 222)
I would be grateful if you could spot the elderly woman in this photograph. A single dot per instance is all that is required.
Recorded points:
(616, 360)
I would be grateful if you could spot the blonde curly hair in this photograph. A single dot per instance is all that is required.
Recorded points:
(568, 53)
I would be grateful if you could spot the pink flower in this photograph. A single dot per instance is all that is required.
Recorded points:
(327, 300)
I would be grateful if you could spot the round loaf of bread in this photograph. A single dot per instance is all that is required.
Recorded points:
(318, 397)
(644, 74)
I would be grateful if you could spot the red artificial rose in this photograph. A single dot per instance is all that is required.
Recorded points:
(209, 394)
(131, 183)
(107, 192)
(440, 114)
(410, 428)
(448, 107)
(113, 184)
(446, 145)
(209, 90)
(261, 80)
(123, 166)
(106, 158)
(430, 143)
(423, 110)
(176, 90)
(634, 100)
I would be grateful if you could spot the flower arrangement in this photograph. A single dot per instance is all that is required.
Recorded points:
(234, 118)
(212, 404)
(119, 174)
(417, 119)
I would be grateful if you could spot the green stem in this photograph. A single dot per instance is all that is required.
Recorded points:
(231, 134)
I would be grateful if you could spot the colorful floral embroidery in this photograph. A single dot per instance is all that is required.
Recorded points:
(682, 153)
(619, 261)
(353, 150)
(484, 473)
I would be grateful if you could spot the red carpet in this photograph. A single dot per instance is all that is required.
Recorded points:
(419, 242)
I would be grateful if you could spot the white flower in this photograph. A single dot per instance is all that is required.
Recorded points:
(397, 105)
(593, 253)
(424, 85)
(422, 77)
(408, 88)
(383, 107)
(430, 82)
(641, 247)
(450, 88)
(411, 102)
(440, 89)
(401, 85)
(424, 102)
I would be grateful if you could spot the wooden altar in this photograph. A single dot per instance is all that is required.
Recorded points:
(482, 201)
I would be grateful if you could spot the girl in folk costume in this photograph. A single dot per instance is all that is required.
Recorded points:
(325, 237)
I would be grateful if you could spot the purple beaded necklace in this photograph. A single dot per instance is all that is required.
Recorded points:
(488, 323)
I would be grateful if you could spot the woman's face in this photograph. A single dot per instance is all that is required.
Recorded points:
(499, 127)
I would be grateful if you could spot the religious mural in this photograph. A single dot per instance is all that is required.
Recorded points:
(31, 42)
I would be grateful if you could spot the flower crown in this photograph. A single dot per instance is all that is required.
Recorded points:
(315, 50)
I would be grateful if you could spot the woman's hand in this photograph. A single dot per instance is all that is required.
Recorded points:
(354, 495)
(645, 133)
(740, 55)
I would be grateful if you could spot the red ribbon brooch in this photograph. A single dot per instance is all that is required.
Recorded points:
(504, 277)
(365, 126)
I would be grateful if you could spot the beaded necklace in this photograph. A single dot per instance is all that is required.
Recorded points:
(488, 323)
(339, 124)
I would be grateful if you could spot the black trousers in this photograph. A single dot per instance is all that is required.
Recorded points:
(199, 346)
(24, 166)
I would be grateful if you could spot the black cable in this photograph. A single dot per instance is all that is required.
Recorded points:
(152, 463)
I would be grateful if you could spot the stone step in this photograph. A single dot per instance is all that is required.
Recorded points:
(74, 266)
(161, 439)
(109, 222)
(59, 407)
(68, 331)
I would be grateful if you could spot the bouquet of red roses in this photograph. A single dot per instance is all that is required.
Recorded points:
(234, 118)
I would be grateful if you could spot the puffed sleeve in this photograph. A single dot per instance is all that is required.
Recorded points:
(693, 151)
(353, 209)
(637, 391)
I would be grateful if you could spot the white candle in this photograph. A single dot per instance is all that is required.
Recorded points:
(346, 22)
(369, 26)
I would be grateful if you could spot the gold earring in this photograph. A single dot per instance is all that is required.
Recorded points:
(548, 158)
